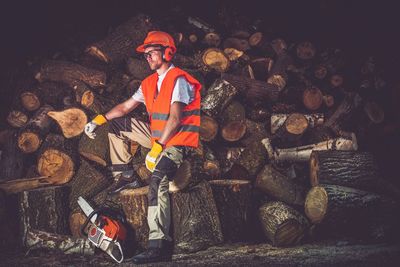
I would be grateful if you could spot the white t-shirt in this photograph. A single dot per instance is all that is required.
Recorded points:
(183, 90)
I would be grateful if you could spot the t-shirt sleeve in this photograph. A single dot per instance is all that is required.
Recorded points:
(183, 91)
(138, 95)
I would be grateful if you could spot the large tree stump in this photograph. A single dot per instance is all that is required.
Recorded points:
(69, 73)
(219, 95)
(32, 134)
(195, 220)
(282, 225)
(44, 209)
(72, 121)
(120, 43)
(233, 198)
(279, 186)
(134, 204)
(95, 150)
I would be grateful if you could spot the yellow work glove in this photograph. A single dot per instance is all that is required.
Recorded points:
(153, 155)
(90, 127)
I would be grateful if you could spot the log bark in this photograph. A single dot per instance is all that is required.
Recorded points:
(95, 150)
(233, 200)
(44, 209)
(208, 128)
(91, 100)
(195, 220)
(32, 134)
(282, 225)
(292, 129)
(72, 121)
(17, 119)
(12, 161)
(69, 73)
(219, 95)
(235, 111)
(138, 68)
(56, 94)
(279, 186)
(120, 43)
(277, 120)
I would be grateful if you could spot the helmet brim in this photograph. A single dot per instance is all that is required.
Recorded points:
(140, 48)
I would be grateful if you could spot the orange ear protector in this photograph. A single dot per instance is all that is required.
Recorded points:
(168, 54)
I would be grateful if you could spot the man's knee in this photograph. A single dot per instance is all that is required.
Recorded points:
(119, 125)
(167, 167)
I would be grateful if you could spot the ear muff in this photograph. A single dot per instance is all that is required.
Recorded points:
(168, 54)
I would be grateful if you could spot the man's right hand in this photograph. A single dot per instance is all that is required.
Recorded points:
(90, 127)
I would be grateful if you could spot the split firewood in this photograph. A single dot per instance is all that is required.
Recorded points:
(91, 100)
(138, 68)
(305, 50)
(195, 219)
(30, 100)
(277, 120)
(219, 95)
(214, 58)
(118, 45)
(36, 239)
(17, 118)
(96, 149)
(239, 44)
(208, 128)
(69, 73)
(312, 98)
(33, 133)
(134, 203)
(282, 225)
(233, 200)
(71, 121)
(302, 153)
(57, 159)
(52, 218)
(87, 183)
(279, 186)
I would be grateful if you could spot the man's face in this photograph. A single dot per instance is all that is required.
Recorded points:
(153, 55)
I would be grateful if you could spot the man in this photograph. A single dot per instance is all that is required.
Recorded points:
(172, 99)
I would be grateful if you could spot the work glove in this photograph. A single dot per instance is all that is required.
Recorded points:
(91, 126)
(153, 155)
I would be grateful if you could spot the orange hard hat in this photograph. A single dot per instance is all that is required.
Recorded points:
(157, 38)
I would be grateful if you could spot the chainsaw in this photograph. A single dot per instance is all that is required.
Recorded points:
(106, 230)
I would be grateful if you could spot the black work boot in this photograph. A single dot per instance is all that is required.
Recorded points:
(125, 180)
(155, 254)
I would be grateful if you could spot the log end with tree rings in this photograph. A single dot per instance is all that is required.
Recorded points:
(30, 101)
(56, 165)
(193, 38)
(316, 204)
(312, 98)
(305, 50)
(72, 121)
(182, 177)
(17, 118)
(336, 80)
(256, 38)
(94, 51)
(374, 112)
(233, 131)
(233, 54)
(329, 100)
(216, 59)
(320, 72)
(208, 128)
(212, 168)
(29, 142)
(296, 124)
(277, 80)
(87, 98)
(212, 39)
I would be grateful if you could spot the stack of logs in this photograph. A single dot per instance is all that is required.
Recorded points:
(272, 115)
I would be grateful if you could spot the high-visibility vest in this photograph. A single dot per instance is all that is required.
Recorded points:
(159, 106)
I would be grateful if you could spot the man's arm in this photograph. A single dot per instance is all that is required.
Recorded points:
(122, 109)
(173, 122)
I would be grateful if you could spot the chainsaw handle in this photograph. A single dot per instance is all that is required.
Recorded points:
(88, 219)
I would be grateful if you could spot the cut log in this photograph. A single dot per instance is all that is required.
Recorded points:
(259, 41)
(214, 58)
(282, 225)
(302, 153)
(305, 50)
(134, 204)
(342, 113)
(95, 150)
(233, 131)
(35, 239)
(279, 186)
(233, 200)
(292, 129)
(312, 98)
(233, 112)
(17, 118)
(328, 100)
(12, 160)
(69, 73)
(277, 120)
(92, 101)
(44, 209)
(195, 219)
(320, 71)
(72, 121)
(219, 95)
(87, 183)
(212, 169)
(138, 68)
(57, 159)
(120, 43)
(336, 80)
(30, 100)
(208, 128)
(253, 157)
(56, 94)
(233, 54)
(187, 174)
(32, 134)
(212, 39)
